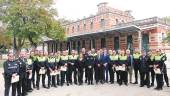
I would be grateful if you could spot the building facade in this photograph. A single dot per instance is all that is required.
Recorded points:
(113, 29)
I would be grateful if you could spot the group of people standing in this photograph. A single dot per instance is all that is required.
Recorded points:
(91, 67)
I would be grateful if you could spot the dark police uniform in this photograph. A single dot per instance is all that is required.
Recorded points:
(57, 68)
(22, 84)
(136, 62)
(151, 69)
(64, 73)
(144, 71)
(86, 68)
(123, 73)
(158, 61)
(80, 66)
(29, 66)
(90, 61)
(72, 68)
(41, 64)
(10, 68)
(51, 64)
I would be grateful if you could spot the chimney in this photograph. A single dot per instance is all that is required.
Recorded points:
(102, 7)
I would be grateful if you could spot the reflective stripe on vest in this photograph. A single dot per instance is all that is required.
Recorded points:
(71, 57)
(114, 57)
(123, 57)
(51, 60)
(136, 56)
(158, 58)
(64, 57)
(41, 59)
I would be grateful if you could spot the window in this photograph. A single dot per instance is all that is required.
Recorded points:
(91, 26)
(83, 44)
(93, 43)
(117, 21)
(84, 27)
(103, 42)
(73, 29)
(116, 43)
(78, 28)
(56, 48)
(74, 45)
(102, 23)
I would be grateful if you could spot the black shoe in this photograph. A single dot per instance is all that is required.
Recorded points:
(152, 84)
(55, 86)
(34, 85)
(44, 86)
(135, 83)
(30, 90)
(126, 84)
(148, 86)
(157, 88)
(67, 84)
(88, 83)
(168, 85)
(48, 87)
(38, 88)
(141, 85)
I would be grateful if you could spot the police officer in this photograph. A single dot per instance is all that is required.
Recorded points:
(90, 61)
(165, 68)
(85, 54)
(151, 55)
(144, 70)
(123, 68)
(29, 67)
(41, 70)
(58, 57)
(99, 68)
(80, 66)
(64, 68)
(72, 67)
(11, 70)
(34, 56)
(22, 85)
(113, 61)
(136, 60)
(51, 69)
(158, 68)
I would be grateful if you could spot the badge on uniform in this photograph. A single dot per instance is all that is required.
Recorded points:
(63, 68)
(15, 79)
(157, 71)
(42, 71)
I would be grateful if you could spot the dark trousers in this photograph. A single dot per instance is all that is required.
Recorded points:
(144, 78)
(33, 76)
(64, 75)
(159, 80)
(86, 74)
(99, 74)
(151, 71)
(165, 75)
(90, 75)
(8, 85)
(111, 73)
(118, 76)
(22, 86)
(72, 72)
(105, 73)
(38, 79)
(123, 77)
(80, 75)
(58, 79)
(51, 79)
(136, 71)
(28, 82)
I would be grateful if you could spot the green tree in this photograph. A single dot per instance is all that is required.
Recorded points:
(167, 39)
(29, 20)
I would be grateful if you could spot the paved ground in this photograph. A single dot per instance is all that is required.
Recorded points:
(95, 90)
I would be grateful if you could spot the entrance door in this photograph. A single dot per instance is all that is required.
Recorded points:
(130, 43)
(116, 43)
(145, 42)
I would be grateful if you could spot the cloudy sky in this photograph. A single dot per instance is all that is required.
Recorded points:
(77, 9)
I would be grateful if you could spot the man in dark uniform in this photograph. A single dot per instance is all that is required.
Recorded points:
(41, 70)
(80, 66)
(90, 60)
(58, 57)
(84, 57)
(165, 68)
(64, 68)
(51, 68)
(22, 85)
(136, 60)
(144, 70)
(158, 68)
(11, 70)
(72, 67)
(151, 55)
(29, 67)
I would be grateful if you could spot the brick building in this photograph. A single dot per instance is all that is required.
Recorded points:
(113, 29)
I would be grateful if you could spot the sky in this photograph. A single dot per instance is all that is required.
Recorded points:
(78, 9)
